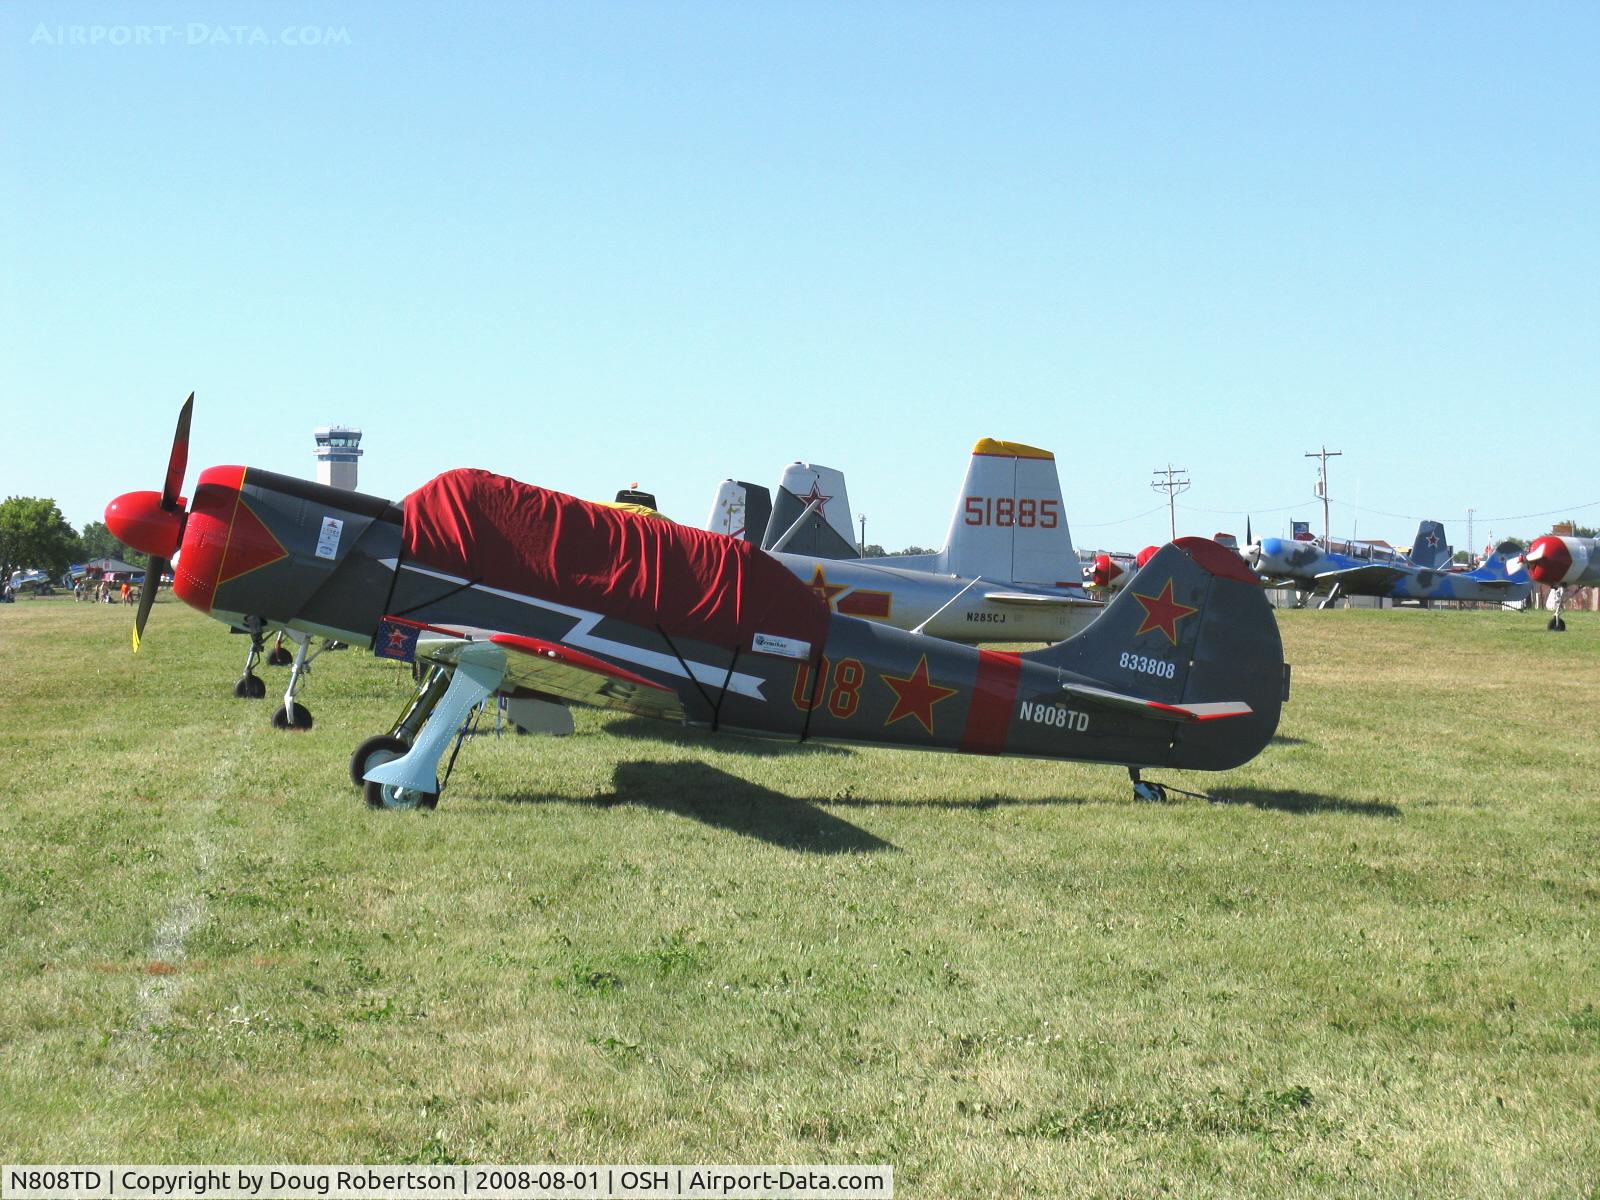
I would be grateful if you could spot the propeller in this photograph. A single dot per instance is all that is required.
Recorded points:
(152, 522)
(1548, 560)
(1104, 571)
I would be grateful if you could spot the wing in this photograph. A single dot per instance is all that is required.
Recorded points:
(1374, 575)
(535, 665)
(1105, 698)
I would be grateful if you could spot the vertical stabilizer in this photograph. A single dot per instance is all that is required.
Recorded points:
(1010, 522)
(825, 532)
(1193, 632)
(741, 510)
(1430, 550)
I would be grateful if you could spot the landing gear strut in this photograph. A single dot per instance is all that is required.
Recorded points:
(250, 686)
(1333, 596)
(1558, 597)
(426, 728)
(292, 715)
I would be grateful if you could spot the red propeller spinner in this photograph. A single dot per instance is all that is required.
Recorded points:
(152, 522)
(1104, 571)
(1548, 560)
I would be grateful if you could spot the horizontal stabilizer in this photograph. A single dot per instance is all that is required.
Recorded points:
(1043, 601)
(1211, 711)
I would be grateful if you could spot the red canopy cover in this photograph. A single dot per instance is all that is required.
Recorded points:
(645, 570)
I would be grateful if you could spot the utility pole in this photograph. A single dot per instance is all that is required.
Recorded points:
(862, 545)
(1472, 545)
(1322, 489)
(1171, 485)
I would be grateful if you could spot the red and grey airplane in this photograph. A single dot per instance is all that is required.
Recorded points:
(499, 587)
(1560, 562)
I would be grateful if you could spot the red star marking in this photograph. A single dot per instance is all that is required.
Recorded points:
(1433, 539)
(915, 696)
(1162, 612)
(825, 591)
(397, 639)
(816, 494)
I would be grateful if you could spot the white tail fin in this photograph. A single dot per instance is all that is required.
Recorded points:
(740, 510)
(1010, 522)
(826, 531)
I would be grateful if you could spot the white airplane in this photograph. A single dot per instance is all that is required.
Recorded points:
(1007, 571)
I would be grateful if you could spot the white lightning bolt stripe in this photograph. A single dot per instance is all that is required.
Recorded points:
(582, 637)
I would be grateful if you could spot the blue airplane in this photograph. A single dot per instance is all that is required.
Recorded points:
(1311, 570)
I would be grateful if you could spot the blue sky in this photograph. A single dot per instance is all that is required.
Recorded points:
(588, 244)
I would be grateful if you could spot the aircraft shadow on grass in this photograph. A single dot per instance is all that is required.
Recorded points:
(1279, 739)
(716, 798)
(1304, 802)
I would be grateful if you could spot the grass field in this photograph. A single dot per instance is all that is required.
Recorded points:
(1372, 968)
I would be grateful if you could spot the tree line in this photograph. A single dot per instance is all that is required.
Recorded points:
(35, 536)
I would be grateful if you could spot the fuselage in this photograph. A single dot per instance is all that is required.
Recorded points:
(324, 561)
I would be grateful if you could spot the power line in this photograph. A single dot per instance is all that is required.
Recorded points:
(1554, 512)
(1121, 521)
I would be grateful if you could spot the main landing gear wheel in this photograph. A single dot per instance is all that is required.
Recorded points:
(279, 656)
(249, 687)
(388, 795)
(294, 716)
(385, 747)
(1557, 625)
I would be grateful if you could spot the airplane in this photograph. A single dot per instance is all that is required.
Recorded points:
(1007, 572)
(1559, 561)
(1309, 569)
(1108, 570)
(503, 588)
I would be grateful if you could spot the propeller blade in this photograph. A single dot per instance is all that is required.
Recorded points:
(147, 597)
(1248, 540)
(179, 462)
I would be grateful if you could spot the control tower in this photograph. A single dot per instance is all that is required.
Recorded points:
(338, 449)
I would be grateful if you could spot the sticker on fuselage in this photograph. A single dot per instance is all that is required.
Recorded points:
(328, 539)
(765, 643)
